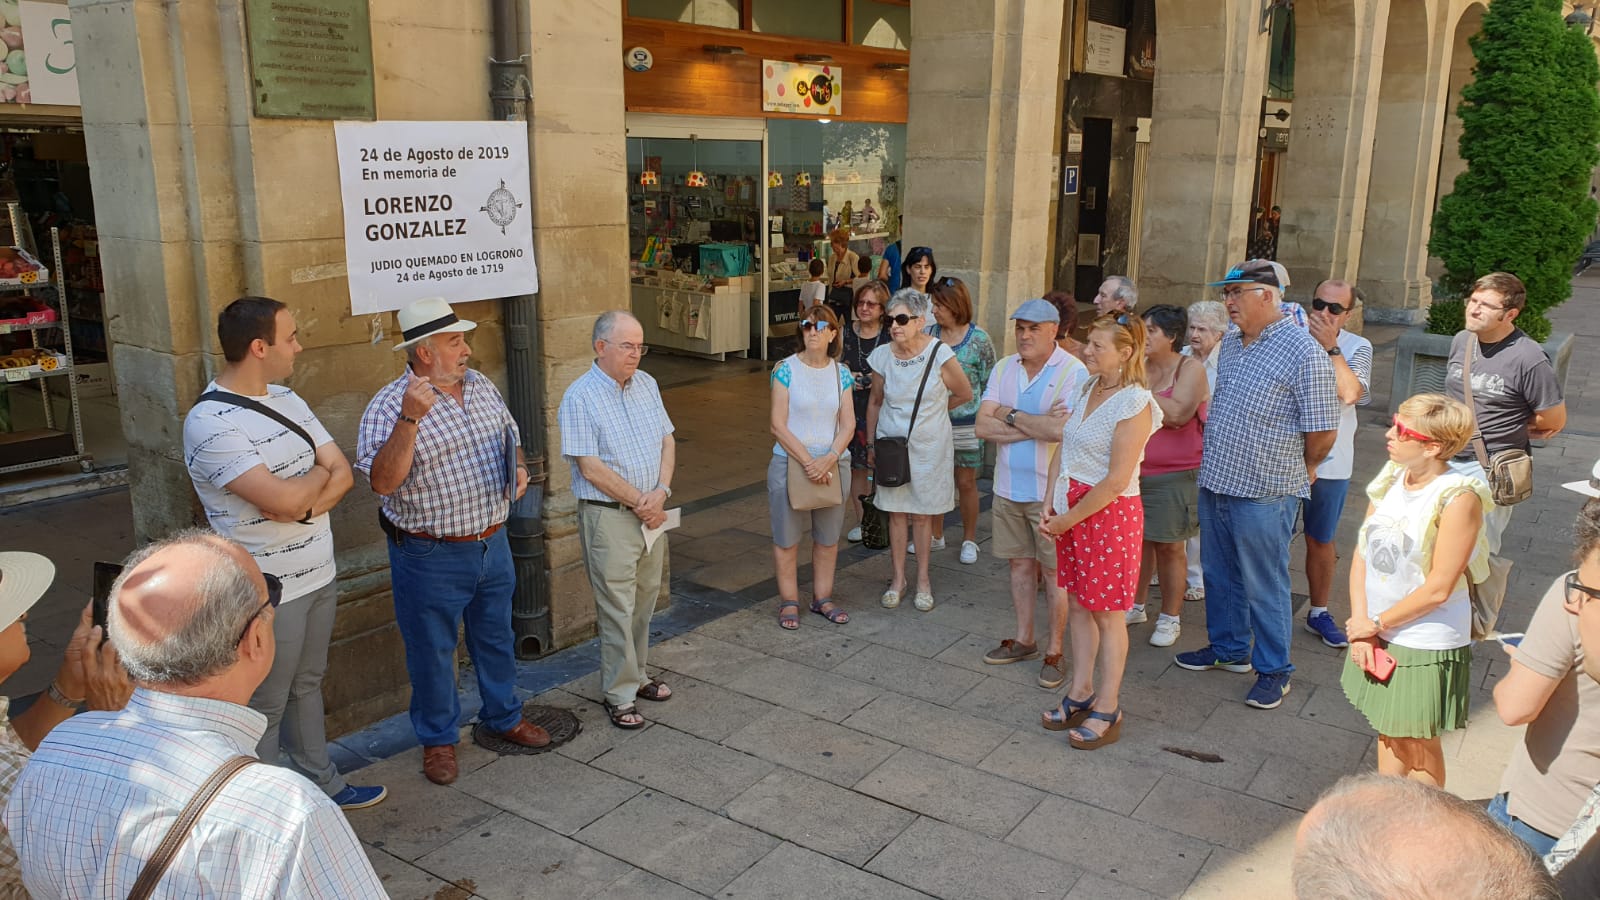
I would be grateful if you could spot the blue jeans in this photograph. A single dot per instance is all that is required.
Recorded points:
(1245, 554)
(1533, 837)
(438, 584)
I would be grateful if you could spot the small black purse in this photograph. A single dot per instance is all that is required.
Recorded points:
(892, 467)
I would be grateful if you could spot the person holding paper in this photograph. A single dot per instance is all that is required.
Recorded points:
(1410, 622)
(433, 443)
(618, 440)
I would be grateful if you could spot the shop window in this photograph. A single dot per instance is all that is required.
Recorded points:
(712, 13)
(881, 25)
(819, 21)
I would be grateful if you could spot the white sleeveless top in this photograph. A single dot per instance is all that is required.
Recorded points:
(1393, 538)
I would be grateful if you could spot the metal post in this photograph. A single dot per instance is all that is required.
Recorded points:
(510, 95)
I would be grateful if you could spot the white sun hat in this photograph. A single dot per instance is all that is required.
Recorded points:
(24, 577)
(426, 317)
(1590, 488)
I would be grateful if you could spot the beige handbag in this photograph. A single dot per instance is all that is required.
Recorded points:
(1510, 472)
(805, 494)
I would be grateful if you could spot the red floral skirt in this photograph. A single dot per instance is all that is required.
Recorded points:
(1097, 560)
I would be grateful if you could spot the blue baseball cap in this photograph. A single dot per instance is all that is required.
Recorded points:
(1037, 310)
(1256, 271)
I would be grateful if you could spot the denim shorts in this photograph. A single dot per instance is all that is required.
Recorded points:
(1320, 514)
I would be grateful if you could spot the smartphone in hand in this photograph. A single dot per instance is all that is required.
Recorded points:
(105, 575)
(1510, 640)
(1382, 664)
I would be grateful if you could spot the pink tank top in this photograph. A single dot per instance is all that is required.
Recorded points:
(1175, 449)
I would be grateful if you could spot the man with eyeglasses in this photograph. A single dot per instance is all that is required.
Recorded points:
(1552, 688)
(1332, 303)
(268, 473)
(617, 437)
(1515, 393)
(439, 445)
(1273, 417)
(191, 618)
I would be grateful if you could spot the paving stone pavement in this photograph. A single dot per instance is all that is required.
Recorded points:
(883, 759)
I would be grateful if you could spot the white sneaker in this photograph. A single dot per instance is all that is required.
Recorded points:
(854, 536)
(1166, 633)
(1136, 615)
(969, 552)
(1194, 594)
(934, 544)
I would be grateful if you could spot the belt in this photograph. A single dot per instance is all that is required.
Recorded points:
(608, 504)
(456, 539)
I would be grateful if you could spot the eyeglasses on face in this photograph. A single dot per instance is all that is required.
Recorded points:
(1484, 304)
(1232, 293)
(1337, 309)
(817, 325)
(632, 349)
(1579, 593)
(867, 301)
(1408, 433)
(274, 597)
(902, 319)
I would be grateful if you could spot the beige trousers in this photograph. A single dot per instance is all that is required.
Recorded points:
(626, 581)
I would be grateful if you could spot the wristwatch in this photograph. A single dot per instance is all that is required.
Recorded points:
(406, 418)
(1011, 417)
(1335, 351)
(1377, 621)
(665, 490)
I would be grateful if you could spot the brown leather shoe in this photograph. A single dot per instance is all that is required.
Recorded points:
(527, 734)
(439, 763)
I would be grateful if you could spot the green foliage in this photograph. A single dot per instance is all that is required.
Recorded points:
(1447, 317)
(1530, 125)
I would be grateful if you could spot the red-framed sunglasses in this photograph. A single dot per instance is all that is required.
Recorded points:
(1409, 433)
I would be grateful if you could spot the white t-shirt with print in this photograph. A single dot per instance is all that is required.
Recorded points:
(221, 442)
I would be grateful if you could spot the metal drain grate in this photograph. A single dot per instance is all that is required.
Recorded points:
(562, 725)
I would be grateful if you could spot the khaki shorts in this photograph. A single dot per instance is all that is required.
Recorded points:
(1016, 532)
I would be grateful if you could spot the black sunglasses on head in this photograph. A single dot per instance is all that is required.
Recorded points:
(274, 597)
(1337, 309)
(902, 319)
(928, 250)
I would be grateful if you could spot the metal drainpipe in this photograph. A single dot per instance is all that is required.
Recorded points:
(510, 95)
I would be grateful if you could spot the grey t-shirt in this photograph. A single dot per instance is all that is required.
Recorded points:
(1511, 380)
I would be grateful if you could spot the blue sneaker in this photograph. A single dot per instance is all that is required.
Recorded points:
(1326, 628)
(1269, 691)
(1206, 659)
(353, 797)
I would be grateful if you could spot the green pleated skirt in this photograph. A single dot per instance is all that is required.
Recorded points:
(1428, 693)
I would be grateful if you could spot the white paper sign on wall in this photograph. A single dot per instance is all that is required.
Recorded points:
(52, 60)
(435, 209)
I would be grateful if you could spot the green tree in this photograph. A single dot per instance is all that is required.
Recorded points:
(1530, 123)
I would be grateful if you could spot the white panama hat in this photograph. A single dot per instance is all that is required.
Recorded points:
(1590, 488)
(24, 577)
(427, 317)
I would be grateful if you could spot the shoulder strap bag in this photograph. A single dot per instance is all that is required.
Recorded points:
(151, 874)
(893, 454)
(1510, 472)
(805, 494)
(242, 402)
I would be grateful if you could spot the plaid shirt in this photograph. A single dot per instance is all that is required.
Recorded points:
(457, 481)
(13, 756)
(104, 787)
(623, 425)
(1269, 395)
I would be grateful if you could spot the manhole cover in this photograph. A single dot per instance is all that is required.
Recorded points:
(562, 725)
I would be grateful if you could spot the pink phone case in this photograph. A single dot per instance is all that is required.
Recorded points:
(1382, 664)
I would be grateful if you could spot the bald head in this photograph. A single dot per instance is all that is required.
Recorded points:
(1373, 836)
(178, 608)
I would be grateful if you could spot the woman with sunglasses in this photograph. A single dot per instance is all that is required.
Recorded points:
(919, 270)
(1421, 542)
(1098, 524)
(899, 369)
(1169, 479)
(864, 335)
(813, 420)
(952, 317)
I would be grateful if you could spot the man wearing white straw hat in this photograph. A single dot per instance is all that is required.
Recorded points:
(435, 443)
(89, 672)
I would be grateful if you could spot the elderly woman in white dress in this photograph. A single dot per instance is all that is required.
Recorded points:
(900, 366)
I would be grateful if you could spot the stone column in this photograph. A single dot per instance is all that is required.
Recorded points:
(1212, 65)
(1339, 49)
(577, 140)
(982, 118)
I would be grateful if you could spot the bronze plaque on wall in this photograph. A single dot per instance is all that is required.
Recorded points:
(310, 59)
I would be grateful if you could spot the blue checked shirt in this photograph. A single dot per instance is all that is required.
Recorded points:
(623, 426)
(102, 789)
(456, 486)
(1268, 396)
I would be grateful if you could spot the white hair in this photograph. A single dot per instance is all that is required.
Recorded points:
(1124, 290)
(1377, 837)
(606, 325)
(911, 300)
(1209, 314)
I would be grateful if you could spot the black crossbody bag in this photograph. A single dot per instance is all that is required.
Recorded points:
(893, 454)
(243, 402)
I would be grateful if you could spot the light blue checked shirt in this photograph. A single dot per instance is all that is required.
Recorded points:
(457, 481)
(621, 425)
(1269, 395)
(103, 788)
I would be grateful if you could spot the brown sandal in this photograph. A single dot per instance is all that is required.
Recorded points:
(655, 690)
